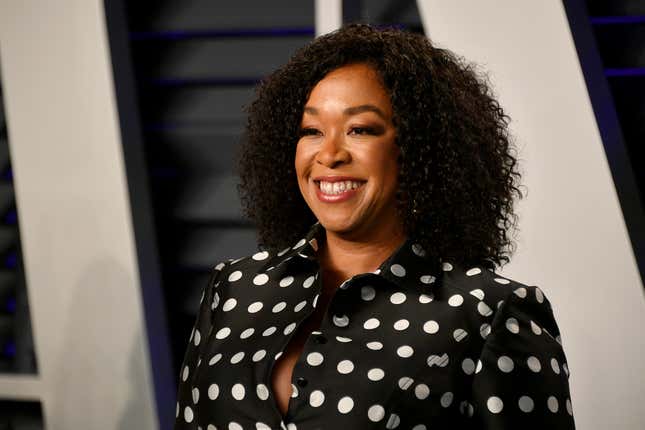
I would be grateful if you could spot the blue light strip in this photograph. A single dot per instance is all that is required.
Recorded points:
(630, 71)
(612, 20)
(212, 34)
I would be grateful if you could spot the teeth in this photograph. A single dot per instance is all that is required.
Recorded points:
(338, 187)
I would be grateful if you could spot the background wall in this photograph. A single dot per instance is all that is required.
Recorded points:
(573, 242)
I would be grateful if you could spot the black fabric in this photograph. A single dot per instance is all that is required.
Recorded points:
(414, 345)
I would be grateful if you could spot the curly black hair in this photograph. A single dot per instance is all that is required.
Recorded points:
(458, 174)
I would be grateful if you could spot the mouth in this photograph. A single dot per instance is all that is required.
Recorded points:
(337, 191)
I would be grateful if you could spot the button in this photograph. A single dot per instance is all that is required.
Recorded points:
(302, 382)
(320, 339)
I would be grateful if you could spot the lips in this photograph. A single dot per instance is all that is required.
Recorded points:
(338, 190)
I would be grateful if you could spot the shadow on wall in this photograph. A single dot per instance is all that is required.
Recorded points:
(101, 380)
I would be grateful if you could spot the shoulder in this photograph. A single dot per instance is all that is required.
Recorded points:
(234, 269)
(509, 304)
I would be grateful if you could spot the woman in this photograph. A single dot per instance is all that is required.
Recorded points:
(379, 172)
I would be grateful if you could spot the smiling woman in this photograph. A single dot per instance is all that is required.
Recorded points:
(381, 178)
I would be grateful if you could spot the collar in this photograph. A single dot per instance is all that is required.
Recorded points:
(407, 267)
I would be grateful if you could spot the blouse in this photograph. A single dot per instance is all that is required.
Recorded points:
(403, 347)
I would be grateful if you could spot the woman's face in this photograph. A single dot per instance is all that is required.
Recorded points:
(346, 158)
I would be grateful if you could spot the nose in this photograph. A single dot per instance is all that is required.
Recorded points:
(333, 151)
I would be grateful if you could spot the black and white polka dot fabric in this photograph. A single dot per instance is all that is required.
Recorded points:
(404, 347)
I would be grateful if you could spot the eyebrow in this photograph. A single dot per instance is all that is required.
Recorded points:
(354, 110)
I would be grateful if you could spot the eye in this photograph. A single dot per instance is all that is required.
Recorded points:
(308, 131)
(362, 130)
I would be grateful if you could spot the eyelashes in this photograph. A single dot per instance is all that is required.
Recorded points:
(356, 131)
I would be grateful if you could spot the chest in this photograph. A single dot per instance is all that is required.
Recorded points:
(362, 355)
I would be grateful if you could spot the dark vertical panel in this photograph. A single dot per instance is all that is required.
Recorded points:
(609, 126)
(142, 220)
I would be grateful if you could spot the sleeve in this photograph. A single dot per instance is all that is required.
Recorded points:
(522, 377)
(185, 412)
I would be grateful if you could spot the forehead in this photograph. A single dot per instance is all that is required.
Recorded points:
(349, 85)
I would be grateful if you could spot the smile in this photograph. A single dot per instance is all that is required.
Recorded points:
(338, 191)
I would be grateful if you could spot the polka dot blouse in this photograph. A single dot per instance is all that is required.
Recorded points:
(404, 347)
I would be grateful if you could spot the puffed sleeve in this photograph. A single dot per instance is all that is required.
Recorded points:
(522, 377)
(185, 414)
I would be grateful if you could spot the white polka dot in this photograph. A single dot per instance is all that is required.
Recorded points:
(459, 334)
(477, 293)
(288, 329)
(260, 256)
(375, 374)
(404, 351)
(340, 320)
(426, 298)
(536, 328)
(568, 406)
(300, 306)
(294, 391)
(313, 304)
(431, 327)
(262, 391)
(237, 357)
(455, 300)
(420, 427)
(502, 281)
(495, 404)
(436, 360)
(418, 250)
(213, 391)
(446, 399)
(261, 279)
(316, 398)
(195, 393)
(308, 282)
(512, 325)
(291, 426)
(421, 391)
(555, 366)
(234, 426)
(367, 293)
(315, 358)
(427, 279)
(255, 307)
(197, 337)
(397, 298)
(401, 324)
(447, 267)
(279, 307)
(345, 367)
(345, 405)
(222, 333)
(371, 323)
(188, 414)
(211, 427)
(552, 404)
(405, 382)
(483, 309)
(269, 331)
(393, 422)
(247, 333)
(184, 373)
(261, 426)
(539, 296)
(235, 276)
(238, 391)
(177, 410)
(520, 292)
(397, 270)
(468, 366)
(526, 404)
(229, 304)
(484, 330)
(215, 301)
(374, 346)
(505, 364)
(299, 243)
(534, 364)
(286, 281)
(473, 271)
(343, 339)
(376, 413)
(259, 355)
(215, 359)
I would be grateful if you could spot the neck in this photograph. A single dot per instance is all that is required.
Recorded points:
(342, 257)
